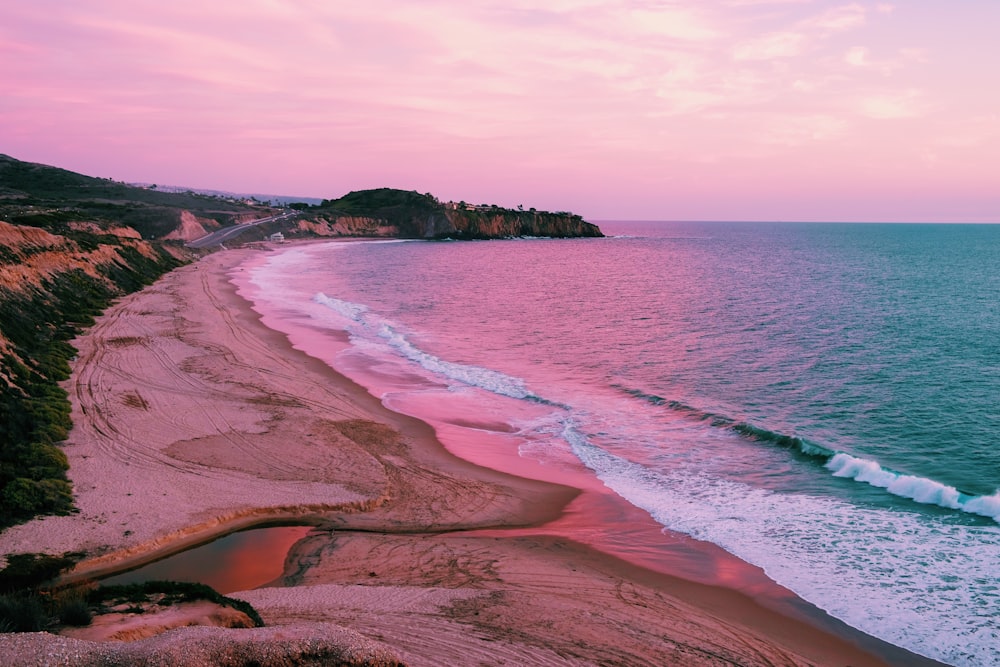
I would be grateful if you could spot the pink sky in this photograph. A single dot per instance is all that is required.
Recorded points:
(615, 109)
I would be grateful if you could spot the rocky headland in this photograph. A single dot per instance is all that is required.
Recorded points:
(388, 212)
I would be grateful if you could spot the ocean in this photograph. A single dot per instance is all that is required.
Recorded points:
(819, 400)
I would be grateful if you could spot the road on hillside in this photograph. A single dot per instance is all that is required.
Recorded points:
(227, 233)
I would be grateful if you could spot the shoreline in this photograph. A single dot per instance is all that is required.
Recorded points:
(193, 419)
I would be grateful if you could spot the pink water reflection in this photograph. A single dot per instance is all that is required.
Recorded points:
(237, 562)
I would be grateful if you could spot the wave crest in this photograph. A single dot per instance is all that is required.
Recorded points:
(373, 327)
(842, 464)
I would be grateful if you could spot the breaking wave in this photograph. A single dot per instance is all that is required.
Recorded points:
(826, 549)
(365, 324)
(842, 464)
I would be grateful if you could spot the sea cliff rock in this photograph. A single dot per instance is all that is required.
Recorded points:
(347, 225)
(407, 214)
(505, 223)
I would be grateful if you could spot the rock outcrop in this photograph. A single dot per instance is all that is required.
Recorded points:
(191, 227)
(347, 225)
(506, 223)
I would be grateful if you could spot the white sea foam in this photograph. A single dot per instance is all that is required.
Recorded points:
(352, 311)
(367, 327)
(474, 376)
(920, 489)
(985, 506)
(866, 471)
(827, 550)
(931, 582)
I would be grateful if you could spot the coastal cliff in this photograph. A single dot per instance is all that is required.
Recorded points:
(503, 223)
(39, 195)
(406, 214)
(345, 225)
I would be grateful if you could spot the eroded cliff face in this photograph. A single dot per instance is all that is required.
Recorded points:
(32, 258)
(506, 224)
(347, 225)
(457, 224)
(192, 227)
(42, 272)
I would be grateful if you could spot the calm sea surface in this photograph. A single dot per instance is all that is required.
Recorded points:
(821, 400)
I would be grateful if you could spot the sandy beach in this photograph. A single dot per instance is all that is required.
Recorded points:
(192, 419)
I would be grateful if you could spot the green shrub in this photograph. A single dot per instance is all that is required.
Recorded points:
(26, 605)
(74, 610)
(174, 592)
(26, 497)
(29, 572)
(22, 612)
(47, 461)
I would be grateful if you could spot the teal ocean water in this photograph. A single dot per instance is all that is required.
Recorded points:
(820, 400)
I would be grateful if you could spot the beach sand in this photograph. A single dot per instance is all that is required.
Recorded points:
(192, 419)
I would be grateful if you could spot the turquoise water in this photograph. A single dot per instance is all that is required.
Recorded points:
(819, 399)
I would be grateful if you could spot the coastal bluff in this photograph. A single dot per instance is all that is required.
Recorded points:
(395, 213)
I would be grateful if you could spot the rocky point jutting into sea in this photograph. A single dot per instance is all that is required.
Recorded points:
(402, 214)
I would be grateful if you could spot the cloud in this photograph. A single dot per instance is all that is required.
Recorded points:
(491, 91)
(838, 18)
(674, 23)
(755, 3)
(794, 130)
(891, 106)
(860, 57)
(768, 47)
(800, 36)
(857, 56)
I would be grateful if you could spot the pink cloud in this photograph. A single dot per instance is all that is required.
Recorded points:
(841, 18)
(658, 110)
(770, 46)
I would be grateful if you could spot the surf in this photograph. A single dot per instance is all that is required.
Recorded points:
(840, 464)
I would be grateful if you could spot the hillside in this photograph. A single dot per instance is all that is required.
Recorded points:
(69, 245)
(41, 196)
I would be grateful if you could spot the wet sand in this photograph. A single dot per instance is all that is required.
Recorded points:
(192, 419)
